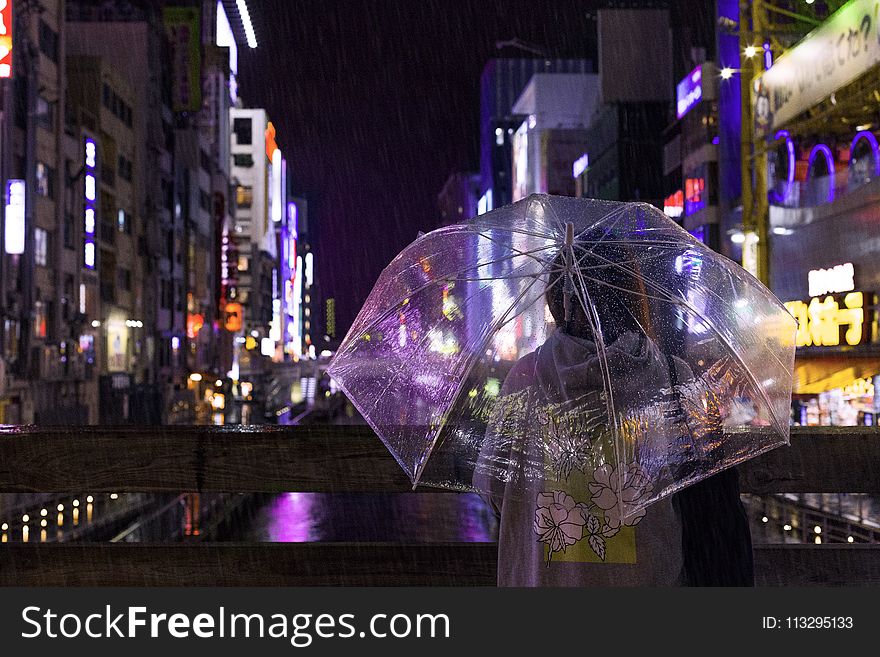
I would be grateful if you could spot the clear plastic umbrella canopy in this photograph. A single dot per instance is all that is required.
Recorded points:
(589, 349)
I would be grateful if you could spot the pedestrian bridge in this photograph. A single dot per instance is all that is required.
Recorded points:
(348, 459)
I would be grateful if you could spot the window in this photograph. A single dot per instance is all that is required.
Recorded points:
(242, 129)
(105, 96)
(204, 161)
(242, 263)
(68, 230)
(41, 246)
(124, 279)
(124, 168)
(45, 113)
(48, 41)
(40, 319)
(123, 221)
(244, 196)
(244, 160)
(45, 180)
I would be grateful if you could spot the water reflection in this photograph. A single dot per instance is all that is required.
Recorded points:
(404, 517)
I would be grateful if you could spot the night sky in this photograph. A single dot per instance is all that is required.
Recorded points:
(376, 103)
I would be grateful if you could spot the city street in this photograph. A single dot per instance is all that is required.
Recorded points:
(338, 273)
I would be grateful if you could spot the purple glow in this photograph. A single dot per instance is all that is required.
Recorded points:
(872, 140)
(291, 219)
(829, 161)
(291, 518)
(789, 147)
(689, 92)
(768, 56)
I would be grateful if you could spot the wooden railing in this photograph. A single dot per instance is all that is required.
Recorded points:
(348, 459)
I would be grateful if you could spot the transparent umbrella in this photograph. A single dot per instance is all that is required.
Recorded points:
(589, 349)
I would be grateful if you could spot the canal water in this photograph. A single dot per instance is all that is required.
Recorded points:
(399, 517)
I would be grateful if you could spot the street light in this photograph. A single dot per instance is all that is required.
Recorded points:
(726, 73)
(751, 51)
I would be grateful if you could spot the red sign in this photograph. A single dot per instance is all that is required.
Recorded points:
(194, 324)
(233, 317)
(271, 144)
(673, 205)
(5, 38)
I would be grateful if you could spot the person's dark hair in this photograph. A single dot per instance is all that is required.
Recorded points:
(612, 283)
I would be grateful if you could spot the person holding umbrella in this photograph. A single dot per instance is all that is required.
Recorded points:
(697, 537)
(622, 343)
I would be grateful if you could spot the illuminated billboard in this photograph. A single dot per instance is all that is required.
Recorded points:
(689, 92)
(840, 50)
(5, 38)
(183, 27)
(15, 226)
(91, 164)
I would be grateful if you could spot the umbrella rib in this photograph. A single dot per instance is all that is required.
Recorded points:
(480, 227)
(590, 311)
(440, 280)
(715, 330)
(403, 366)
(443, 420)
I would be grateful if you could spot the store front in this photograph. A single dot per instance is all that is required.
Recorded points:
(835, 303)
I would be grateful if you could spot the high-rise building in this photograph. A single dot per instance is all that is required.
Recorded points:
(257, 169)
(39, 276)
(501, 83)
(624, 156)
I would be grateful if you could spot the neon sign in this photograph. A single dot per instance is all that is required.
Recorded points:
(872, 143)
(829, 164)
(821, 322)
(5, 38)
(15, 227)
(689, 92)
(580, 165)
(673, 205)
(694, 195)
(271, 144)
(91, 155)
(832, 280)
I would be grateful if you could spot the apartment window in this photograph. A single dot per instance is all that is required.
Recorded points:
(41, 319)
(48, 41)
(45, 113)
(105, 95)
(68, 231)
(45, 180)
(123, 221)
(120, 167)
(41, 246)
(165, 294)
(244, 196)
(124, 279)
(242, 263)
(243, 131)
(243, 160)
